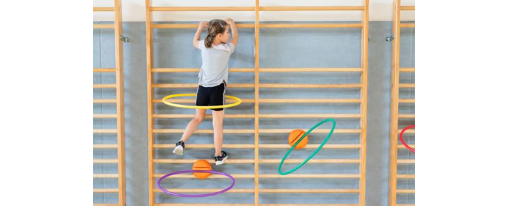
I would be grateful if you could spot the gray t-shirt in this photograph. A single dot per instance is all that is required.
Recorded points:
(214, 69)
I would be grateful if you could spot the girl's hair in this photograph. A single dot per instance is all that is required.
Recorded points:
(215, 27)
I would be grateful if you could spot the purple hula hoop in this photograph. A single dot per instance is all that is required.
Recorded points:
(192, 171)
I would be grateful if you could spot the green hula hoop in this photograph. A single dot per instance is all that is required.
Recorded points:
(314, 153)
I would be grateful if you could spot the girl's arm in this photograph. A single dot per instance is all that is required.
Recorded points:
(197, 36)
(234, 31)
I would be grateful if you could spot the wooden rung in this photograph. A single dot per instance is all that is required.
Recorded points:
(191, 26)
(103, 8)
(405, 161)
(261, 146)
(407, 69)
(206, 204)
(310, 25)
(263, 161)
(311, 8)
(309, 205)
(405, 176)
(249, 176)
(102, 101)
(103, 26)
(291, 116)
(105, 116)
(105, 131)
(194, 101)
(106, 205)
(195, 70)
(105, 146)
(310, 85)
(407, 25)
(404, 147)
(105, 190)
(405, 205)
(310, 101)
(309, 190)
(407, 101)
(405, 191)
(99, 86)
(409, 131)
(105, 175)
(407, 85)
(208, 116)
(407, 116)
(105, 161)
(203, 131)
(104, 70)
(407, 7)
(196, 86)
(215, 8)
(201, 190)
(269, 70)
(321, 131)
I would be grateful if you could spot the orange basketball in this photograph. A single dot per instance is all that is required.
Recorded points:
(294, 136)
(201, 165)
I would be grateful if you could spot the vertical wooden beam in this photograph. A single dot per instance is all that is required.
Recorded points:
(363, 135)
(149, 63)
(394, 104)
(256, 108)
(120, 102)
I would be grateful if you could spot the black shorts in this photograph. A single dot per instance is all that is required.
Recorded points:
(211, 96)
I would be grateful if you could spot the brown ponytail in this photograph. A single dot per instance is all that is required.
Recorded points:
(215, 27)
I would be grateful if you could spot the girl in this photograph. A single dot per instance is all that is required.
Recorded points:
(213, 79)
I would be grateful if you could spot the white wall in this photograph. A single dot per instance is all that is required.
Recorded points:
(134, 10)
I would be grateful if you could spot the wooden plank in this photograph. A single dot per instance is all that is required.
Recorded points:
(106, 205)
(364, 98)
(103, 86)
(312, 8)
(103, 26)
(105, 146)
(104, 131)
(103, 8)
(105, 116)
(105, 161)
(406, 176)
(208, 116)
(406, 191)
(311, 25)
(104, 70)
(310, 85)
(250, 131)
(407, 7)
(407, 85)
(256, 105)
(196, 86)
(190, 26)
(261, 146)
(261, 161)
(404, 147)
(409, 131)
(321, 131)
(149, 60)
(407, 69)
(201, 190)
(268, 176)
(105, 175)
(310, 101)
(215, 8)
(103, 101)
(209, 204)
(407, 116)
(407, 101)
(392, 195)
(294, 116)
(282, 70)
(195, 70)
(105, 190)
(194, 101)
(406, 161)
(407, 25)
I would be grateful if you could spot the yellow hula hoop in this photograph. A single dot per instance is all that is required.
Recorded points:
(164, 100)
